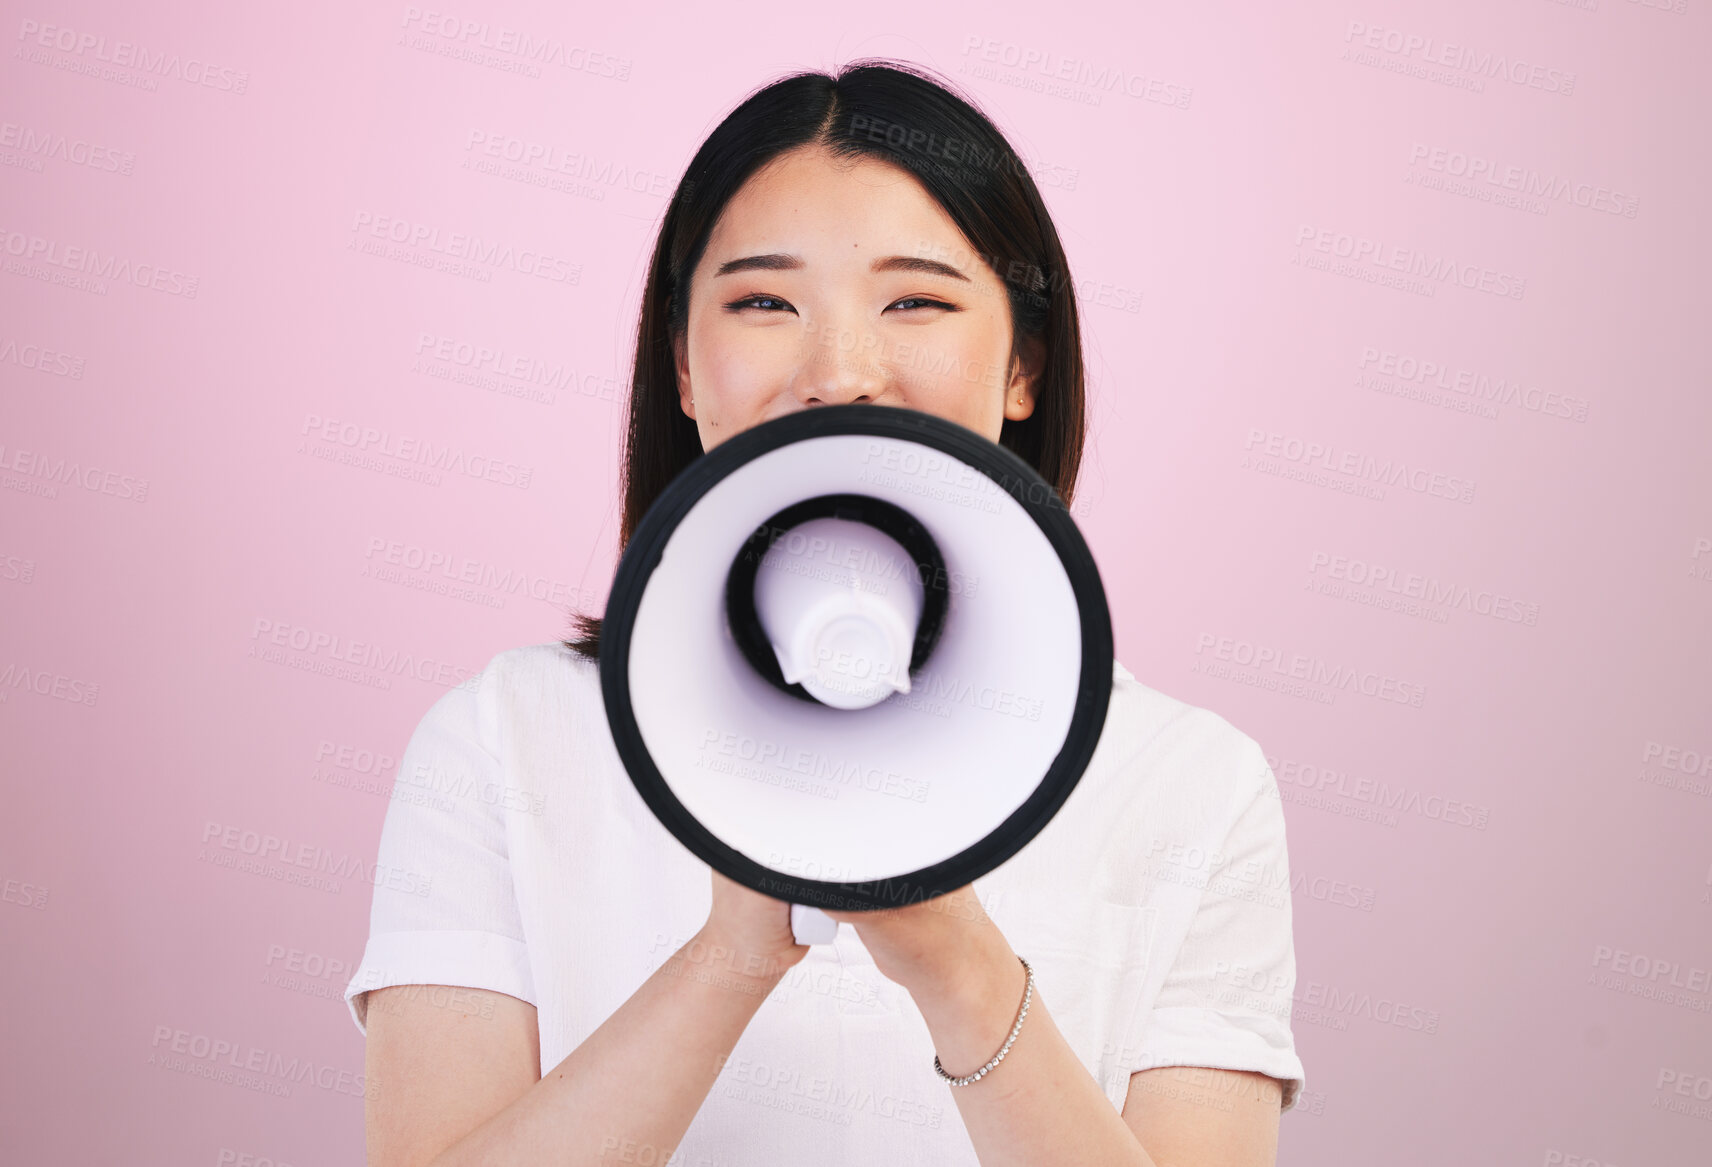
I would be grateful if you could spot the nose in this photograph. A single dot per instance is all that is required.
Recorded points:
(838, 368)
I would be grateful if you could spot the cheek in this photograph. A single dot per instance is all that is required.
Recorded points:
(732, 367)
(959, 367)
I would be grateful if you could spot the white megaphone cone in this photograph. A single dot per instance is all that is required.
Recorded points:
(855, 657)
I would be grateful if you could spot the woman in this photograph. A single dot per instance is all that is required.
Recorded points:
(570, 985)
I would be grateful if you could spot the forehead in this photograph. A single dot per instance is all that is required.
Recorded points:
(812, 203)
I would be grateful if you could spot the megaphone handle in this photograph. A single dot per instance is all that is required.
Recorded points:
(811, 925)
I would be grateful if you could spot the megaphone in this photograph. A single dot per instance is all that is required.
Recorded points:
(855, 657)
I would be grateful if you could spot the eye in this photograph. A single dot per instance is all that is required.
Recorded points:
(756, 302)
(924, 302)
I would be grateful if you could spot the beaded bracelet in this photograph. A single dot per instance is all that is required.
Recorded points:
(1027, 992)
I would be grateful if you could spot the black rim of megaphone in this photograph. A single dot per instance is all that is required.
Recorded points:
(1018, 479)
(889, 519)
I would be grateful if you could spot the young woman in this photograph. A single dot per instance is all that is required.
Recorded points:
(564, 983)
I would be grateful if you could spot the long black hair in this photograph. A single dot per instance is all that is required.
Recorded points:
(900, 113)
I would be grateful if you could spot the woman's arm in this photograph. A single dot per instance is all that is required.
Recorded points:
(451, 1087)
(1040, 1106)
(1191, 1115)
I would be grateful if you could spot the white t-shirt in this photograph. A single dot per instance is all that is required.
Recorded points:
(1155, 908)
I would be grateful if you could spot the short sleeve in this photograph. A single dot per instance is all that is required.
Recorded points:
(1226, 1001)
(445, 909)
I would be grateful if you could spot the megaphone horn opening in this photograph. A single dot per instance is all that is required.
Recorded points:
(839, 619)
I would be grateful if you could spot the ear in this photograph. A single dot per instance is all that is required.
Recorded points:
(1026, 372)
(681, 357)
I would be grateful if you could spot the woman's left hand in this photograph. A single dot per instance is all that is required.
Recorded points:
(941, 950)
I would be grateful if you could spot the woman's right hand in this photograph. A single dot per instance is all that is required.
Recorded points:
(754, 930)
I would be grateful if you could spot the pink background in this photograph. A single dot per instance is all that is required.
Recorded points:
(1536, 922)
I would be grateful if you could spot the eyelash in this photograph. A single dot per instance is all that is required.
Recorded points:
(923, 301)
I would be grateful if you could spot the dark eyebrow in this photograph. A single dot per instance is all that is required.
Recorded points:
(774, 262)
(931, 267)
(778, 262)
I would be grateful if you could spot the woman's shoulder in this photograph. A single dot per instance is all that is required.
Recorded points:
(1169, 736)
(530, 669)
(1139, 710)
(520, 687)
